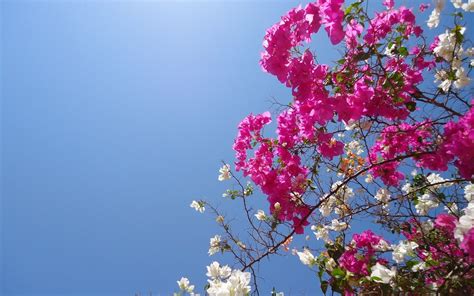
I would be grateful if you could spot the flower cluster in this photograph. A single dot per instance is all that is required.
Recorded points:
(185, 286)
(360, 255)
(397, 141)
(464, 228)
(225, 281)
(357, 91)
(459, 144)
(430, 251)
(448, 47)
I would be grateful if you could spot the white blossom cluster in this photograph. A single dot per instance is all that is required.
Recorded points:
(382, 274)
(261, 216)
(436, 181)
(223, 281)
(322, 231)
(450, 49)
(307, 258)
(403, 249)
(466, 6)
(198, 206)
(354, 147)
(425, 203)
(214, 245)
(383, 196)
(428, 200)
(336, 201)
(466, 221)
(224, 173)
(186, 287)
(433, 20)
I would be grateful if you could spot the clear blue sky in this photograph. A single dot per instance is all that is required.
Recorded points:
(115, 116)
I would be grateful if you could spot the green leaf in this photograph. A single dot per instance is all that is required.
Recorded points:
(375, 278)
(403, 51)
(458, 34)
(399, 40)
(338, 273)
(411, 263)
(398, 100)
(351, 7)
(432, 262)
(339, 77)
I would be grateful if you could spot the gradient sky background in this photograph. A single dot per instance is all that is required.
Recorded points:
(115, 116)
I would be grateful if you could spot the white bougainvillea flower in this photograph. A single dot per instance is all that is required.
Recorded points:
(213, 270)
(465, 222)
(184, 285)
(369, 178)
(468, 6)
(469, 192)
(382, 246)
(462, 80)
(383, 195)
(403, 249)
(442, 76)
(382, 274)
(261, 215)
(426, 202)
(306, 257)
(214, 245)
(338, 226)
(236, 284)
(198, 206)
(321, 232)
(433, 20)
(224, 173)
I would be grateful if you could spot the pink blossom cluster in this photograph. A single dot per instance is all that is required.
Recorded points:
(297, 26)
(366, 91)
(458, 144)
(360, 255)
(281, 181)
(395, 141)
(353, 90)
(382, 24)
(468, 243)
(249, 129)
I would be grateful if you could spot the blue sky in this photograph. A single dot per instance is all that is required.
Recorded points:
(115, 116)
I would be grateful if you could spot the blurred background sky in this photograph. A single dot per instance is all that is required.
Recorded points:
(115, 116)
